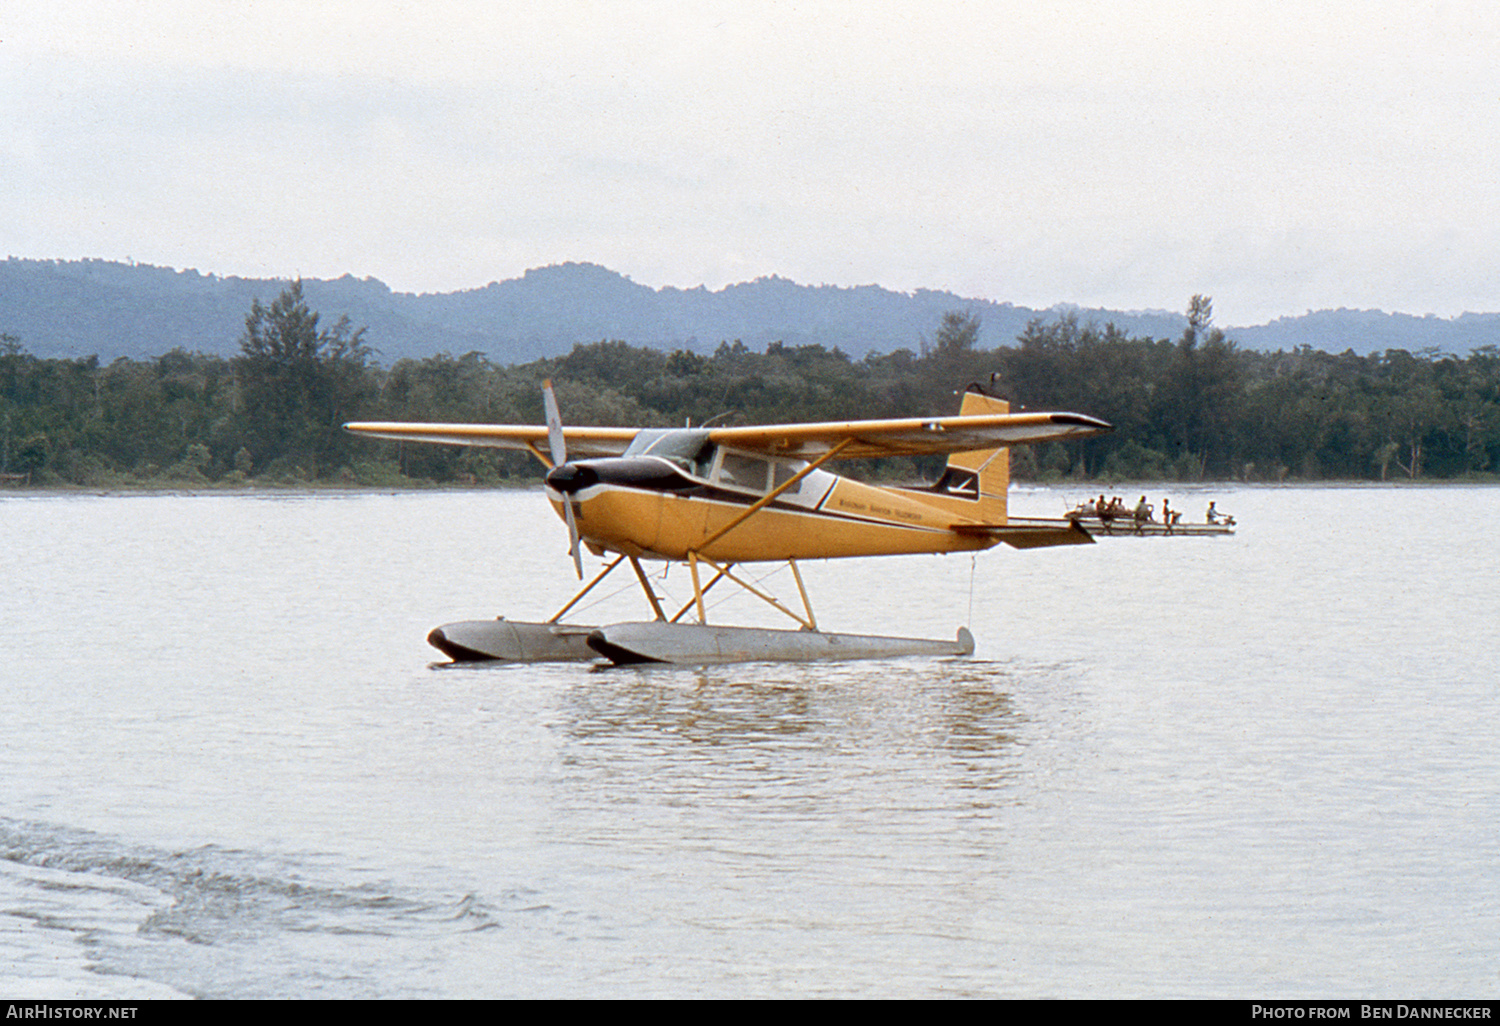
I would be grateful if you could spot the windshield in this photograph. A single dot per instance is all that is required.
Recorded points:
(683, 446)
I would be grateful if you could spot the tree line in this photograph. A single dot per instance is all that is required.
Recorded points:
(1192, 408)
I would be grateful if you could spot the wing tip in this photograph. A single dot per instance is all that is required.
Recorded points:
(1082, 420)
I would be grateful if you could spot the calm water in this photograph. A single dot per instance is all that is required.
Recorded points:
(1250, 767)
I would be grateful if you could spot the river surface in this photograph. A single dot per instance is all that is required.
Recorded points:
(1247, 767)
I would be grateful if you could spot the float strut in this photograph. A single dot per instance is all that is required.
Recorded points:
(698, 592)
(635, 564)
(806, 604)
(585, 590)
(752, 589)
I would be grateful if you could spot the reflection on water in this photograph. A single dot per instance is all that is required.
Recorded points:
(1257, 766)
(800, 734)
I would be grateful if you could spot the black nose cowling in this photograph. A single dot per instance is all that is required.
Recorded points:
(571, 478)
(647, 473)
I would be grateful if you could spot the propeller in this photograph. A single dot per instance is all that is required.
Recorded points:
(559, 447)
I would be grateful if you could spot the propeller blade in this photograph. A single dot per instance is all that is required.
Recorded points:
(555, 439)
(573, 538)
(559, 447)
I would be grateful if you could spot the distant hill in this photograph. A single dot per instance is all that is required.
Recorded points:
(96, 307)
(1373, 331)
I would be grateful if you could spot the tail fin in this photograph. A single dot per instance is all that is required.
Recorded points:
(983, 477)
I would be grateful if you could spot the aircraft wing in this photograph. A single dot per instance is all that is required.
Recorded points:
(909, 437)
(582, 442)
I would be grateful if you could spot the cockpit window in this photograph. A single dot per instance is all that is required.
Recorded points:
(754, 472)
(782, 472)
(742, 471)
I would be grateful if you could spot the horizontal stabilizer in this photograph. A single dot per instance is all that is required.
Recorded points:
(1030, 533)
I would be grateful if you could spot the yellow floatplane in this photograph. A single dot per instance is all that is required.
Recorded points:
(716, 497)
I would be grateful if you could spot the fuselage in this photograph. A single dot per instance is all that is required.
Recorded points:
(672, 492)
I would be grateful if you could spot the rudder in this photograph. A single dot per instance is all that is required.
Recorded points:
(982, 476)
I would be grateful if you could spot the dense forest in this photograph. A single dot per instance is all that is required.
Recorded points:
(1190, 408)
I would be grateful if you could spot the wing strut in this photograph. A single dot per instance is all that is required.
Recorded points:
(776, 493)
(695, 555)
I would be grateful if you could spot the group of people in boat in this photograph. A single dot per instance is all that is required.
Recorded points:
(1106, 511)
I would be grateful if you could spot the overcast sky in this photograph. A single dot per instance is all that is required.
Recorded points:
(1278, 156)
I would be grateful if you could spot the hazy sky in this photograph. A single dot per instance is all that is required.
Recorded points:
(1278, 156)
